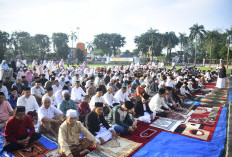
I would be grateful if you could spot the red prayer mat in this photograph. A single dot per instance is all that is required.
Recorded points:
(143, 134)
(35, 150)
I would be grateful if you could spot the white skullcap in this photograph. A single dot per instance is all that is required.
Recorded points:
(65, 91)
(109, 87)
(71, 113)
(45, 98)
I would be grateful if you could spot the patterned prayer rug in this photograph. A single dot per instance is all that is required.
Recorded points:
(176, 116)
(207, 116)
(198, 131)
(165, 123)
(120, 147)
(35, 150)
(2, 132)
(97, 153)
(182, 111)
(53, 153)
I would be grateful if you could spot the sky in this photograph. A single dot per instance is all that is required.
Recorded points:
(129, 18)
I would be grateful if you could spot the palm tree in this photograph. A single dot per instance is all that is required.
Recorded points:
(170, 40)
(73, 37)
(183, 40)
(196, 33)
(210, 37)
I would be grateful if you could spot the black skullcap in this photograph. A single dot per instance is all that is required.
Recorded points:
(129, 105)
(91, 78)
(49, 89)
(98, 104)
(145, 96)
(65, 88)
(20, 109)
(161, 91)
(1, 93)
(168, 88)
(27, 88)
(67, 82)
(77, 82)
(99, 90)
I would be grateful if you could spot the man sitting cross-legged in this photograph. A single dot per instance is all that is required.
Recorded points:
(49, 118)
(69, 137)
(16, 131)
(120, 119)
(93, 121)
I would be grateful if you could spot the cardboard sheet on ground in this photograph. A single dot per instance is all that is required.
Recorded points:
(172, 145)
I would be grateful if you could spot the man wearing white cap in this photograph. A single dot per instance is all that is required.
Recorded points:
(69, 132)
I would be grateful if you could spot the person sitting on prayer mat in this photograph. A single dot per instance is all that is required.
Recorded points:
(30, 103)
(16, 131)
(99, 98)
(84, 109)
(70, 143)
(158, 105)
(142, 109)
(168, 98)
(67, 103)
(121, 95)
(49, 118)
(120, 119)
(93, 121)
(5, 110)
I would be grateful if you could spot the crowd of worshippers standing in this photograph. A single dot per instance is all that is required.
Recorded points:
(65, 102)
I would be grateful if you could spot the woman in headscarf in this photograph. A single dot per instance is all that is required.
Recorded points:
(221, 81)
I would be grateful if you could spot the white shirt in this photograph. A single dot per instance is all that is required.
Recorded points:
(157, 102)
(128, 91)
(88, 84)
(121, 97)
(5, 91)
(29, 103)
(48, 113)
(94, 99)
(77, 94)
(55, 88)
(58, 96)
(37, 91)
(52, 98)
(109, 99)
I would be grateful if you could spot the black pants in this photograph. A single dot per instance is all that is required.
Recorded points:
(12, 146)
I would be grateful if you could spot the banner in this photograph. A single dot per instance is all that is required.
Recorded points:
(121, 59)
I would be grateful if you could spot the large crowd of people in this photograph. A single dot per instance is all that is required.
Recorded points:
(101, 103)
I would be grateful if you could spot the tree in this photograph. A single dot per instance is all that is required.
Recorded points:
(109, 43)
(73, 37)
(210, 38)
(42, 44)
(183, 40)
(196, 33)
(23, 43)
(152, 38)
(4, 41)
(60, 45)
(170, 40)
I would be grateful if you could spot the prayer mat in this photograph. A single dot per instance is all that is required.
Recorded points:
(97, 153)
(189, 107)
(120, 147)
(189, 102)
(207, 104)
(53, 153)
(2, 132)
(165, 123)
(175, 116)
(35, 150)
(207, 116)
(182, 111)
(143, 134)
(198, 131)
(195, 98)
